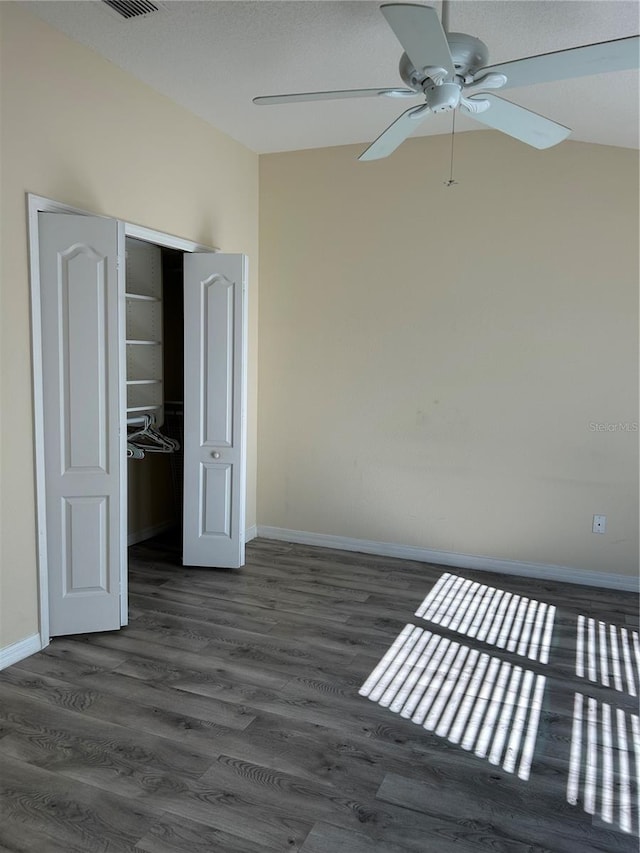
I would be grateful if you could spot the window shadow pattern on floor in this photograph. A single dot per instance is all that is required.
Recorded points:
(494, 616)
(487, 704)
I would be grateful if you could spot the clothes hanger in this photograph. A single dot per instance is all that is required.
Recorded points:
(149, 440)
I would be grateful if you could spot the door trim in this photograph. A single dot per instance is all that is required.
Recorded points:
(40, 204)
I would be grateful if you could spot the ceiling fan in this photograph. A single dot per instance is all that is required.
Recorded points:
(450, 71)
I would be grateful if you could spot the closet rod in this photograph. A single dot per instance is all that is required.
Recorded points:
(140, 419)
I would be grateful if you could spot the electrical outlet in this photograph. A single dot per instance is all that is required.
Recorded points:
(599, 523)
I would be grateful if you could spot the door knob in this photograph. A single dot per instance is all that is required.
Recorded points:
(215, 454)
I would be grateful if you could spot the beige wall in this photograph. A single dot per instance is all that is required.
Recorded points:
(431, 358)
(78, 129)
(151, 499)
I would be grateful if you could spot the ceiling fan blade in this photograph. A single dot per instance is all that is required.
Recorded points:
(616, 55)
(419, 31)
(396, 133)
(516, 121)
(266, 100)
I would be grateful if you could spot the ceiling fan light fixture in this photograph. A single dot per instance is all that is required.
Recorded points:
(442, 98)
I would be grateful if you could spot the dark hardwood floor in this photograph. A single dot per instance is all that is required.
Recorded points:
(226, 717)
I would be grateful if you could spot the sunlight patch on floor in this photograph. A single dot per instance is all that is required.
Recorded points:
(499, 618)
(608, 655)
(604, 764)
(484, 704)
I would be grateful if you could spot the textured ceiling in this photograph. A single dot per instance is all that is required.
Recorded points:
(214, 57)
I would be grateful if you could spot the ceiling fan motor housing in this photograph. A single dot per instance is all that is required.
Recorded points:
(469, 54)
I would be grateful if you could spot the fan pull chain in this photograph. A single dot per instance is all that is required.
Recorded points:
(451, 182)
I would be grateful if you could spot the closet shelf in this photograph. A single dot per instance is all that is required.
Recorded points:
(143, 330)
(143, 408)
(141, 297)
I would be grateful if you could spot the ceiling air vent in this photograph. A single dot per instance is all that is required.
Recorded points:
(132, 8)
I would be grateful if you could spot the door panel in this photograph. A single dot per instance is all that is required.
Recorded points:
(218, 332)
(84, 545)
(82, 355)
(80, 349)
(214, 409)
(215, 512)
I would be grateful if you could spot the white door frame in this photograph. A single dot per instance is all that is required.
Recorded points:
(40, 204)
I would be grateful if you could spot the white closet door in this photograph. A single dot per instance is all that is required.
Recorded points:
(80, 365)
(214, 409)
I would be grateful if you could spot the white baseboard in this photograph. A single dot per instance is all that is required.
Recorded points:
(148, 532)
(133, 538)
(540, 571)
(20, 650)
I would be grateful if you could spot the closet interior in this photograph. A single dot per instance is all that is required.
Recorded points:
(155, 390)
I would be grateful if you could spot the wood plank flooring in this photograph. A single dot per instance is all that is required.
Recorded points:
(226, 719)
